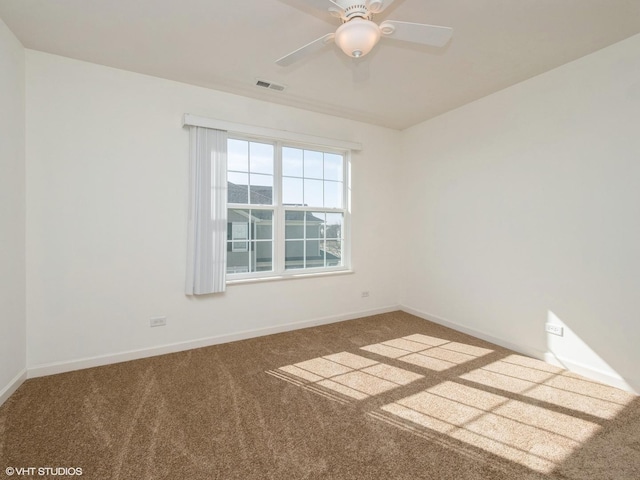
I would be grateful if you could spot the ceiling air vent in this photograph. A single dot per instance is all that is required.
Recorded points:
(269, 85)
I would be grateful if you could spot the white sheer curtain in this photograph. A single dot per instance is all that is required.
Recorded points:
(207, 236)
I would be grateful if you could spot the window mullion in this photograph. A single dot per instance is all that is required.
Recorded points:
(304, 241)
(346, 205)
(279, 214)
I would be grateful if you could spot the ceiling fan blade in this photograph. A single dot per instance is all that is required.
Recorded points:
(308, 49)
(432, 35)
(377, 6)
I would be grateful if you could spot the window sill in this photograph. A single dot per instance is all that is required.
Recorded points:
(297, 276)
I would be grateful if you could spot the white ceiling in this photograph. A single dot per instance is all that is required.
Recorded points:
(228, 45)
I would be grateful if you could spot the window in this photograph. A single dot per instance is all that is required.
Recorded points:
(286, 209)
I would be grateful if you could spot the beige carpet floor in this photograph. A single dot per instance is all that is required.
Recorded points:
(384, 397)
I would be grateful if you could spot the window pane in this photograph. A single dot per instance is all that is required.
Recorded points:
(261, 179)
(237, 155)
(334, 225)
(292, 162)
(238, 187)
(333, 250)
(313, 164)
(263, 224)
(292, 191)
(236, 216)
(314, 255)
(237, 262)
(294, 252)
(294, 225)
(333, 167)
(315, 225)
(238, 232)
(313, 196)
(333, 194)
(261, 155)
(263, 256)
(261, 189)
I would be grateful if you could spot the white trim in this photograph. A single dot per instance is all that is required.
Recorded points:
(291, 276)
(532, 352)
(270, 133)
(580, 369)
(590, 372)
(100, 360)
(12, 386)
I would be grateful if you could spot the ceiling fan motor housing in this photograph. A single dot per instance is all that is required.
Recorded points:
(356, 10)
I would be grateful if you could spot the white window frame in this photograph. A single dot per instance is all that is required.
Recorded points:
(278, 261)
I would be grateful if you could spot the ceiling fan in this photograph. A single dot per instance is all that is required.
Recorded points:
(358, 34)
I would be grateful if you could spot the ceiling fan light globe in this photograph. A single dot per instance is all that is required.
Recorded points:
(357, 37)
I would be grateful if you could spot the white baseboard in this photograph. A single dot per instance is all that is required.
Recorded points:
(580, 369)
(590, 372)
(12, 386)
(531, 352)
(100, 360)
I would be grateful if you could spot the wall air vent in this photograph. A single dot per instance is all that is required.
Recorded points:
(270, 85)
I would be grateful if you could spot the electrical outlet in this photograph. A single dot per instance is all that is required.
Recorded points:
(364, 294)
(554, 329)
(157, 321)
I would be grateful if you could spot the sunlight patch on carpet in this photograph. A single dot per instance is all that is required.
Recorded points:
(546, 383)
(527, 434)
(427, 352)
(348, 374)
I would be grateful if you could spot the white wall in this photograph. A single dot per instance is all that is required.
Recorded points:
(12, 213)
(107, 165)
(525, 206)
